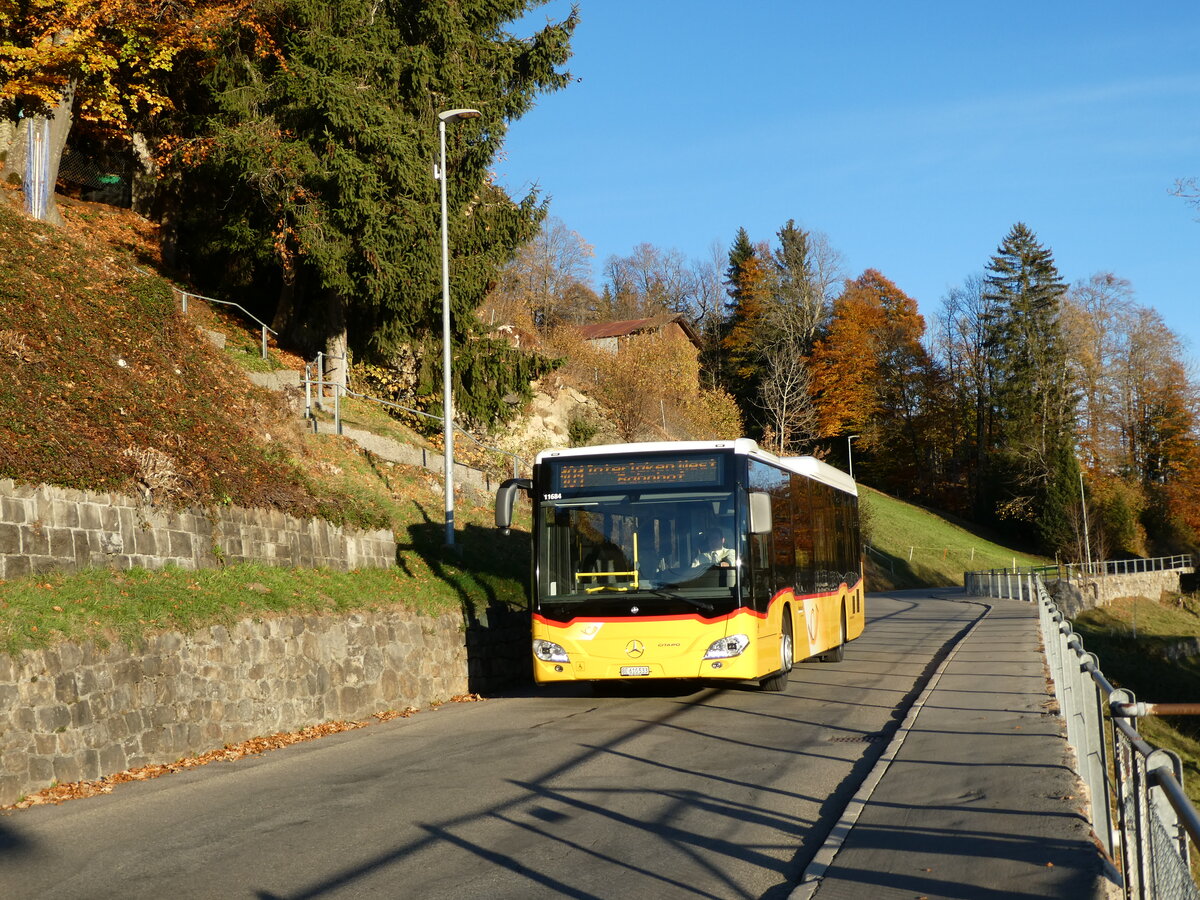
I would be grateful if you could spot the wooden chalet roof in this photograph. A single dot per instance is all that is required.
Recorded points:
(626, 327)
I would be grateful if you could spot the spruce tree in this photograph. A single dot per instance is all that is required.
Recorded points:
(744, 349)
(798, 301)
(316, 177)
(1029, 459)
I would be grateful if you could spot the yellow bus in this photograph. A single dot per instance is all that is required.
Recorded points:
(707, 560)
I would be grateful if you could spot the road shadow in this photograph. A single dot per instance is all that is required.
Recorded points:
(489, 573)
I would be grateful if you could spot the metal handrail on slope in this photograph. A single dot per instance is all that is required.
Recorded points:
(184, 295)
(339, 391)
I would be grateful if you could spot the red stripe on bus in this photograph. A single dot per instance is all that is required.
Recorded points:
(684, 617)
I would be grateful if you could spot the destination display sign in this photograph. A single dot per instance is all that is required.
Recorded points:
(659, 470)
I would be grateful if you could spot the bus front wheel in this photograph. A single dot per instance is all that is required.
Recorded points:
(778, 681)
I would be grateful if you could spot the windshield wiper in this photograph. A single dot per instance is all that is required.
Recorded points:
(675, 595)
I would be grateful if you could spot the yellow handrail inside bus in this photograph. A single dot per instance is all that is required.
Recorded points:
(633, 574)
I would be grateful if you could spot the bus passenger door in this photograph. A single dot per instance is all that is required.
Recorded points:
(762, 572)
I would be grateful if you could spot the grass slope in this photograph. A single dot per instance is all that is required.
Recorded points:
(909, 546)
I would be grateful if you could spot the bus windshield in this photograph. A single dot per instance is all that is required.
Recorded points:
(676, 552)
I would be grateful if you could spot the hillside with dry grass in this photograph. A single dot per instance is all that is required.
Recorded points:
(106, 385)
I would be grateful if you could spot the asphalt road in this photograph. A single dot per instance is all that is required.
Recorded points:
(541, 793)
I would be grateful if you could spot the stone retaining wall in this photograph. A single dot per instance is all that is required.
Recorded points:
(1083, 593)
(77, 711)
(48, 528)
(80, 711)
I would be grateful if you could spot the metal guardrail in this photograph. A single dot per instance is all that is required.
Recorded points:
(1071, 571)
(311, 382)
(1126, 566)
(1014, 583)
(1137, 804)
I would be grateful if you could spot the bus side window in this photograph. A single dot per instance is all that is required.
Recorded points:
(802, 507)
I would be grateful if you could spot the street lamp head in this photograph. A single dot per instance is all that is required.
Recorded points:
(454, 115)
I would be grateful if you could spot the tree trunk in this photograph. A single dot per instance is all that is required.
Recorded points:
(50, 141)
(285, 306)
(143, 193)
(337, 363)
(8, 137)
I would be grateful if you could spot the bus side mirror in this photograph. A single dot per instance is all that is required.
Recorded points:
(760, 512)
(506, 495)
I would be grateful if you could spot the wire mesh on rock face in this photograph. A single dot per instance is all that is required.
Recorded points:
(101, 180)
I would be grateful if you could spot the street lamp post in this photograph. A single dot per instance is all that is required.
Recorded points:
(1087, 541)
(849, 453)
(450, 115)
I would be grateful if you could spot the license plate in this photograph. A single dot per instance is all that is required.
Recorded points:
(634, 670)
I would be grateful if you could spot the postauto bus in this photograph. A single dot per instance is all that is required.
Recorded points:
(697, 559)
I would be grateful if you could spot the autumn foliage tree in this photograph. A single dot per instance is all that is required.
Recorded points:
(546, 283)
(110, 63)
(649, 387)
(650, 281)
(1137, 428)
(872, 377)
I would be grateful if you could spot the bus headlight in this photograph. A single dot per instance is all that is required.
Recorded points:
(548, 651)
(727, 647)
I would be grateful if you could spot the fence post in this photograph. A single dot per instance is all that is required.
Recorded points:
(1054, 649)
(264, 342)
(307, 392)
(1070, 683)
(337, 408)
(1166, 759)
(1141, 808)
(1094, 759)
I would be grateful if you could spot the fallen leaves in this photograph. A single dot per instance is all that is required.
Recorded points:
(388, 714)
(78, 790)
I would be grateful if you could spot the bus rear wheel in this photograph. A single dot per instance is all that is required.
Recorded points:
(787, 654)
(838, 653)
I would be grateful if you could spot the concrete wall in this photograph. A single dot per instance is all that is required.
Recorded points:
(77, 711)
(47, 528)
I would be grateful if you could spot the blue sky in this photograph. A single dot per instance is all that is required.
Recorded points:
(914, 135)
